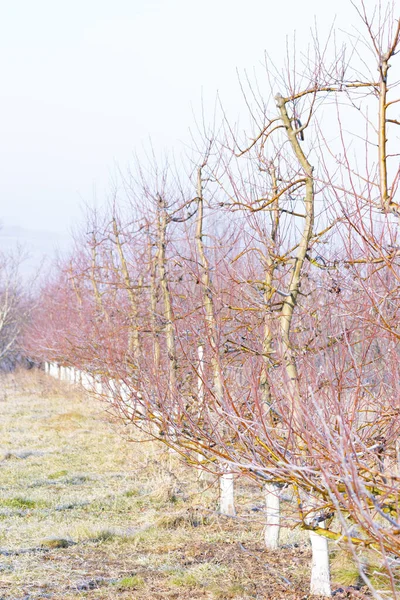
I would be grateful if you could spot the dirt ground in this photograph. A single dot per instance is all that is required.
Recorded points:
(86, 513)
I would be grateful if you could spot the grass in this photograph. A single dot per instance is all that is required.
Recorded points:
(54, 542)
(19, 502)
(58, 474)
(200, 575)
(86, 513)
(130, 583)
(344, 569)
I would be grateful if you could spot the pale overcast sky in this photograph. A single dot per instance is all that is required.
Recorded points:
(86, 83)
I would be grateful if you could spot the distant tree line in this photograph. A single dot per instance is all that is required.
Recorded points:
(16, 304)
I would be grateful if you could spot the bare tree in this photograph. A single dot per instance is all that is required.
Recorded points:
(15, 310)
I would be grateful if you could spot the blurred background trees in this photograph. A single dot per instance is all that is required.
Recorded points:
(16, 306)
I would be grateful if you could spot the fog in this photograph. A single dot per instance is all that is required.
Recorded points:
(86, 85)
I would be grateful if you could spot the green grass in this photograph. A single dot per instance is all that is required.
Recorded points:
(21, 502)
(58, 474)
(131, 493)
(130, 583)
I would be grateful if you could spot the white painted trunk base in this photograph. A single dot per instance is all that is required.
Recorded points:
(227, 499)
(272, 514)
(202, 472)
(320, 575)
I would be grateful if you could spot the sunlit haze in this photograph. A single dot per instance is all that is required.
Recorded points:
(85, 85)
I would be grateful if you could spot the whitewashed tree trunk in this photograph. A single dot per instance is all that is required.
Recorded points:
(200, 397)
(125, 394)
(139, 404)
(83, 380)
(320, 573)
(127, 401)
(87, 381)
(111, 391)
(227, 499)
(97, 387)
(272, 514)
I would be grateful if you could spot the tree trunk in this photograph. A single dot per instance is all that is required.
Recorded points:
(320, 573)
(272, 513)
(227, 499)
(227, 505)
(132, 291)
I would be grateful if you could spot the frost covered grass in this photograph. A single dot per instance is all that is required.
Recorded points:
(84, 512)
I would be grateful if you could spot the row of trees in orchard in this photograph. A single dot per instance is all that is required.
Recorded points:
(251, 307)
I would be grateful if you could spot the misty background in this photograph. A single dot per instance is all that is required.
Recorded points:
(87, 85)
